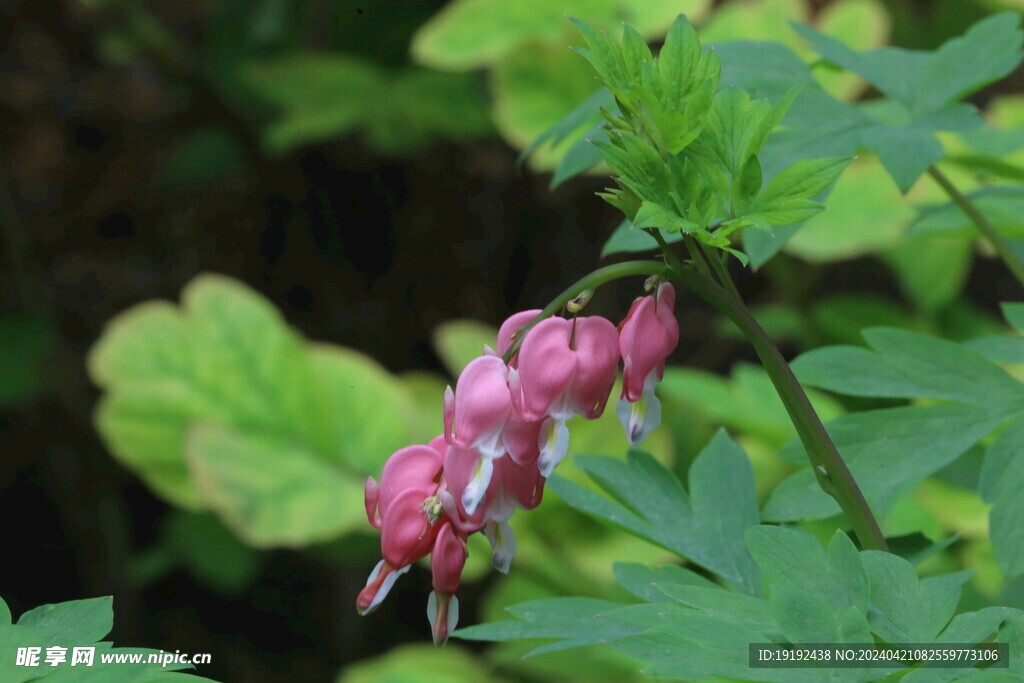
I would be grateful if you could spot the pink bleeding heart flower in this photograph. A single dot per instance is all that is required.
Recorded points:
(647, 335)
(406, 508)
(565, 367)
(446, 563)
(475, 416)
(513, 486)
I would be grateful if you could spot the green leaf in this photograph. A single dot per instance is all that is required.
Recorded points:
(535, 88)
(909, 365)
(654, 215)
(584, 116)
(653, 585)
(923, 81)
(866, 213)
(227, 358)
(763, 69)
(1002, 479)
(469, 34)
(932, 272)
(271, 492)
(78, 622)
(571, 620)
(1002, 206)
(323, 95)
(925, 438)
(905, 609)
(1014, 314)
(975, 627)
(648, 501)
(786, 199)
(628, 239)
(794, 559)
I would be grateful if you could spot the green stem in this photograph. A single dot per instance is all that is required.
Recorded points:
(718, 262)
(984, 226)
(830, 469)
(691, 246)
(593, 281)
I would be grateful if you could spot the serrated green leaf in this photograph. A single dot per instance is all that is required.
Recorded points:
(570, 620)
(909, 365)
(654, 215)
(78, 622)
(795, 559)
(905, 609)
(786, 199)
(1002, 478)
(653, 585)
(647, 500)
(1002, 206)
(628, 239)
(925, 81)
(925, 437)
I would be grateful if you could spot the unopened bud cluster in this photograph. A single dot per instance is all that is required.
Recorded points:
(504, 433)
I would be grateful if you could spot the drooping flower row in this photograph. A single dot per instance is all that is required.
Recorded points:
(504, 433)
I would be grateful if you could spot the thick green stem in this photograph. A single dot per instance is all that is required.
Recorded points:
(986, 228)
(593, 281)
(833, 475)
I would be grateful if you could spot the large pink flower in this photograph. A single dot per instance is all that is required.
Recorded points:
(564, 367)
(647, 335)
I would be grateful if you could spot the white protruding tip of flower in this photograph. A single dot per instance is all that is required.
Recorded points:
(433, 509)
(451, 616)
(473, 495)
(503, 542)
(554, 444)
(643, 417)
(385, 586)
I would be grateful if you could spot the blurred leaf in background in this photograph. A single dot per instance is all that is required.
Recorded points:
(219, 405)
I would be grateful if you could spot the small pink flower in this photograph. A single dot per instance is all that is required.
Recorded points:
(565, 367)
(647, 335)
(475, 414)
(446, 563)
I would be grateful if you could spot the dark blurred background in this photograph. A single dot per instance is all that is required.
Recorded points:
(130, 161)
